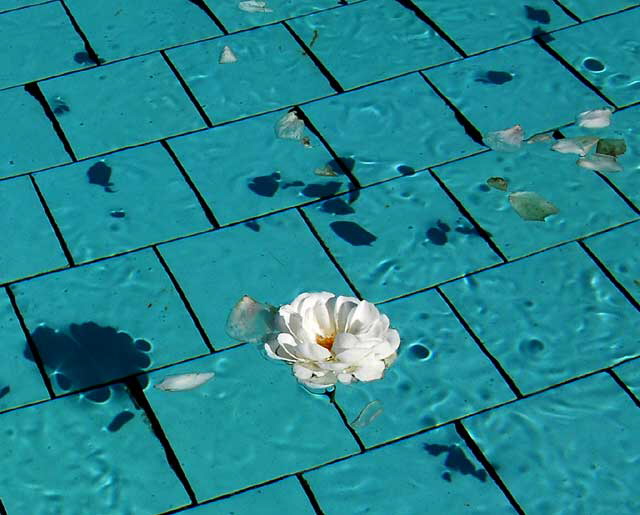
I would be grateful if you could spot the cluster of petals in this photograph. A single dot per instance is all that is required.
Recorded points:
(329, 339)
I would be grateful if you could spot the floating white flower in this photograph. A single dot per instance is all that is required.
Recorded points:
(329, 339)
(507, 140)
(596, 118)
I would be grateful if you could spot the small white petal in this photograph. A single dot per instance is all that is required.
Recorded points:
(253, 6)
(507, 140)
(290, 126)
(595, 119)
(250, 320)
(227, 56)
(183, 382)
(600, 163)
(580, 145)
(370, 371)
(368, 414)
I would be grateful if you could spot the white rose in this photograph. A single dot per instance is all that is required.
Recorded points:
(329, 339)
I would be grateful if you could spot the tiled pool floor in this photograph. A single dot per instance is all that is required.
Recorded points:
(143, 191)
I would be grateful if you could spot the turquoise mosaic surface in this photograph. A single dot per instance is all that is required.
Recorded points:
(146, 186)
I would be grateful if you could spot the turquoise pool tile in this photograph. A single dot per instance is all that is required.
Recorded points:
(440, 374)
(618, 249)
(586, 9)
(107, 320)
(7, 5)
(234, 18)
(268, 174)
(20, 380)
(585, 202)
(535, 103)
(570, 450)
(629, 373)
(430, 474)
(486, 24)
(228, 435)
(605, 52)
(144, 200)
(39, 42)
(28, 141)
(118, 29)
(285, 496)
(549, 317)
(121, 104)
(623, 126)
(273, 260)
(390, 127)
(400, 236)
(72, 456)
(29, 245)
(271, 72)
(359, 46)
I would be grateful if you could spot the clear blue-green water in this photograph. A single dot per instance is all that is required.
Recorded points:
(143, 191)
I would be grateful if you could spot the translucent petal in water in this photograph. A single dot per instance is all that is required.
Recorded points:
(227, 56)
(253, 6)
(498, 183)
(540, 138)
(325, 171)
(507, 140)
(183, 382)
(600, 163)
(531, 206)
(595, 119)
(290, 126)
(368, 414)
(250, 320)
(611, 147)
(580, 145)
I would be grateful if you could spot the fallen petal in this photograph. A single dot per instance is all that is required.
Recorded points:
(290, 126)
(498, 183)
(250, 320)
(252, 6)
(183, 382)
(539, 138)
(611, 147)
(368, 414)
(595, 119)
(531, 206)
(600, 163)
(325, 171)
(580, 145)
(507, 140)
(227, 56)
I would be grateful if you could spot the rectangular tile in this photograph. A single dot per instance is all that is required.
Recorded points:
(587, 9)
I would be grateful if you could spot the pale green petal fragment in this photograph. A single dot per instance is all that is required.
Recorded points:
(253, 6)
(540, 138)
(579, 145)
(531, 206)
(600, 163)
(250, 320)
(595, 119)
(368, 414)
(611, 147)
(498, 183)
(290, 127)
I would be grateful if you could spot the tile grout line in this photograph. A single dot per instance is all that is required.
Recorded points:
(494, 361)
(140, 400)
(470, 130)
(328, 252)
(463, 210)
(603, 268)
(93, 55)
(34, 90)
(422, 16)
(53, 223)
(185, 301)
(25, 7)
(205, 8)
(620, 193)
(565, 64)
(3, 510)
(31, 344)
(333, 82)
(479, 455)
(624, 386)
(187, 178)
(332, 400)
(310, 494)
(187, 90)
(567, 11)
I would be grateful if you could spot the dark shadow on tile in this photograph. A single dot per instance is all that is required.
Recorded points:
(99, 173)
(353, 233)
(537, 15)
(455, 461)
(265, 185)
(494, 77)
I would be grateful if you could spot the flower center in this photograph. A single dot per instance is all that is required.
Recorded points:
(325, 341)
